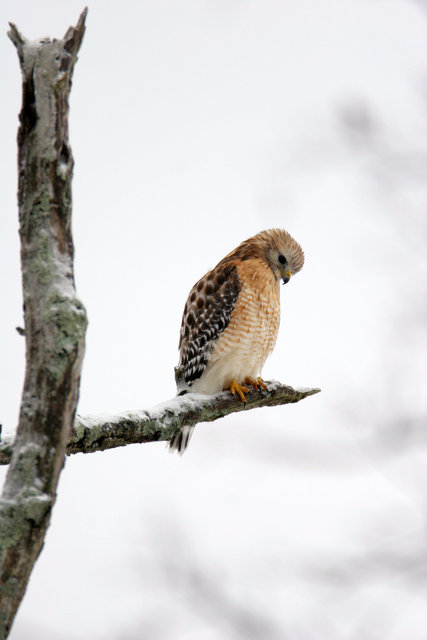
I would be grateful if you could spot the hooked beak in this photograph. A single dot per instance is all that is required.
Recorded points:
(286, 276)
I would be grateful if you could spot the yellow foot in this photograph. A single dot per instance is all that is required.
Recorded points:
(256, 384)
(235, 387)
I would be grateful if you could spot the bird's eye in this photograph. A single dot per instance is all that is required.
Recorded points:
(282, 259)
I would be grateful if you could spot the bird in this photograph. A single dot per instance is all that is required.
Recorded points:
(231, 319)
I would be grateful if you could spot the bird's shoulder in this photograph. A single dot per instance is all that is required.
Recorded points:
(255, 275)
(218, 287)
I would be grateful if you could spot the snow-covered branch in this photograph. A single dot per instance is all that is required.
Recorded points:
(163, 422)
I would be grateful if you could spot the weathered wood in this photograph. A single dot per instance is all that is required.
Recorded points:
(163, 422)
(55, 320)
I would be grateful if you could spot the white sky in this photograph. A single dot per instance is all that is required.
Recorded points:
(193, 126)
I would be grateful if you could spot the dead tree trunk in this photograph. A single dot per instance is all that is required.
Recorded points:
(55, 320)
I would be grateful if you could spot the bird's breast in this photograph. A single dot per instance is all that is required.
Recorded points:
(254, 322)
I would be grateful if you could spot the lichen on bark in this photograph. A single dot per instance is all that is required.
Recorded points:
(55, 320)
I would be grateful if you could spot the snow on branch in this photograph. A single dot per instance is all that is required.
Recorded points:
(164, 421)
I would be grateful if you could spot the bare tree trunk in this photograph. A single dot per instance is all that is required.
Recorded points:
(55, 320)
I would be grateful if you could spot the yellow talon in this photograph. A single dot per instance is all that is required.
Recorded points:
(262, 383)
(235, 387)
(256, 384)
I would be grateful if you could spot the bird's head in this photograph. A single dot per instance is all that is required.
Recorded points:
(277, 248)
(282, 253)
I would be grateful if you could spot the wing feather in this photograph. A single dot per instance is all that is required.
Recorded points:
(206, 315)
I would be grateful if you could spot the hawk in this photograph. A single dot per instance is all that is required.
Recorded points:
(231, 318)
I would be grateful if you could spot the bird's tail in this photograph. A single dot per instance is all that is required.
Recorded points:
(181, 440)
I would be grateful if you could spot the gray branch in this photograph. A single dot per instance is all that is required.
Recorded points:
(163, 422)
(55, 320)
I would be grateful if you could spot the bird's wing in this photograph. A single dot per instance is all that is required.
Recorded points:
(206, 315)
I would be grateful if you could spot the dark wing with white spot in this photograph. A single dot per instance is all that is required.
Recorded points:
(206, 315)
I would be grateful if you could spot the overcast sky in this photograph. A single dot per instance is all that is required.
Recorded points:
(194, 125)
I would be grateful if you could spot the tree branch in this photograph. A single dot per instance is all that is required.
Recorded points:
(163, 422)
(55, 321)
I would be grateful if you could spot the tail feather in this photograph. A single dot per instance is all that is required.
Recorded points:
(181, 440)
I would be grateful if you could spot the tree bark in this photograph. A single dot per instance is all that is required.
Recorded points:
(55, 320)
(163, 422)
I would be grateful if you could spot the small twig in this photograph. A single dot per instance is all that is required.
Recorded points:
(16, 37)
